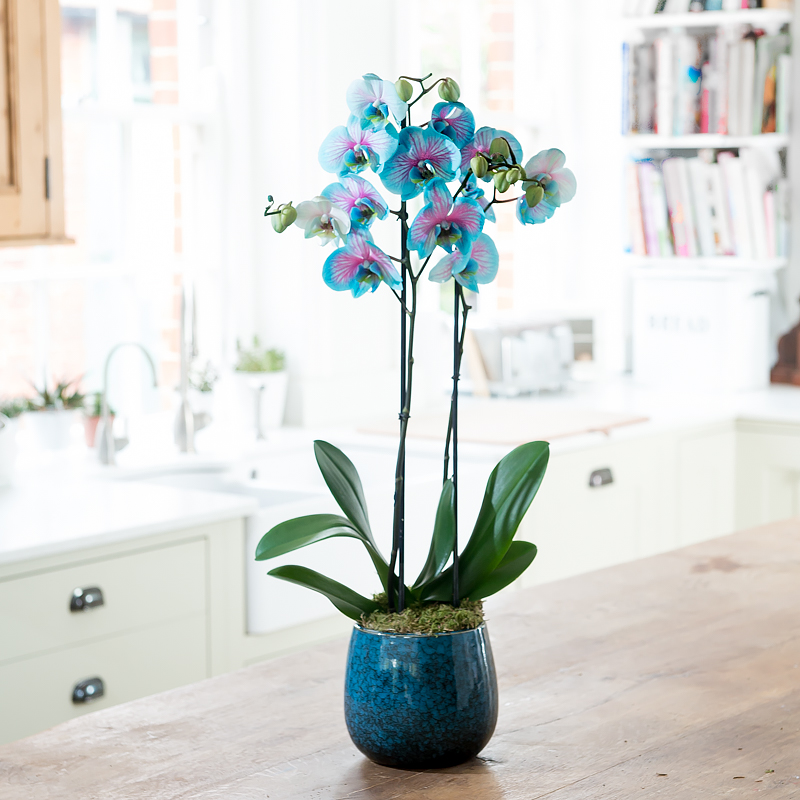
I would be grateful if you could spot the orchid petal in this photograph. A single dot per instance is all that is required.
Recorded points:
(546, 161)
(536, 215)
(359, 266)
(443, 271)
(482, 142)
(455, 121)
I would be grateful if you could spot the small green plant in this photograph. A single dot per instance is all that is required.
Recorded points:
(94, 408)
(202, 379)
(65, 396)
(258, 358)
(15, 406)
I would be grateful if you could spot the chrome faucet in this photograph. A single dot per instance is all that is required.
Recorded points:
(108, 444)
(187, 423)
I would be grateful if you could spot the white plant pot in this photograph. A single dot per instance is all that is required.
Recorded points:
(53, 429)
(264, 392)
(8, 448)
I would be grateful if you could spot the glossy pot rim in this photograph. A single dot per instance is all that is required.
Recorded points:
(359, 628)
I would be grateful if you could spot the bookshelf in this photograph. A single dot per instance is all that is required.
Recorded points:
(720, 161)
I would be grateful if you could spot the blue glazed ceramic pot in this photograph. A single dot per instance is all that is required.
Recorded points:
(420, 701)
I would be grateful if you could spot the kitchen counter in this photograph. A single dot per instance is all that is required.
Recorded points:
(44, 517)
(674, 676)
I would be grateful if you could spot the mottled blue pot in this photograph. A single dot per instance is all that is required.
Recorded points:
(416, 701)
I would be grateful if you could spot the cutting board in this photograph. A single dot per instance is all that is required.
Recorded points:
(508, 422)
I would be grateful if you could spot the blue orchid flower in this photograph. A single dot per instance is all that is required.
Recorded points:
(558, 182)
(421, 156)
(455, 121)
(359, 198)
(482, 142)
(359, 266)
(351, 149)
(370, 100)
(473, 190)
(540, 213)
(445, 222)
(477, 266)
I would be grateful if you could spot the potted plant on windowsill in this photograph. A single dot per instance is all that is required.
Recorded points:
(264, 372)
(51, 415)
(420, 687)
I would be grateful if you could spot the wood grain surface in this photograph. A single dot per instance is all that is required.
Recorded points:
(675, 677)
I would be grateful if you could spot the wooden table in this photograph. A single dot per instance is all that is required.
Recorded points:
(676, 676)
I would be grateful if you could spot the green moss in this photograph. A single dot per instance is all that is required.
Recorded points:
(425, 618)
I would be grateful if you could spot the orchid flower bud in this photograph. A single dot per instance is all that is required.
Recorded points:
(513, 175)
(288, 214)
(404, 89)
(534, 195)
(479, 165)
(278, 224)
(500, 147)
(501, 182)
(449, 91)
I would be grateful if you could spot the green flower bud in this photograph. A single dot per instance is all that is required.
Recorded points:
(278, 223)
(288, 214)
(501, 182)
(480, 166)
(449, 91)
(513, 175)
(500, 147)
(534, 195)
(404, 89)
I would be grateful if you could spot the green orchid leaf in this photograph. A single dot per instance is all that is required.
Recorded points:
(517, 559)
(342, 479)
(444, 531)
(303, 531)
(350, 603)
(509, 492)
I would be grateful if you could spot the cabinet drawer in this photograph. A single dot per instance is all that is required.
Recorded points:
(138, 590)
(599, 507)
(36, 693)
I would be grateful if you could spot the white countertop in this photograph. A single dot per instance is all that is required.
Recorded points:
(48, 517)
(74, 504)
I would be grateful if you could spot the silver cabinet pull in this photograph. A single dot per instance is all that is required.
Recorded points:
(88, 690)
(85, 598)
(600, 477)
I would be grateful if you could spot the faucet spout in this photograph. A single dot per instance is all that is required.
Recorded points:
(108, 444)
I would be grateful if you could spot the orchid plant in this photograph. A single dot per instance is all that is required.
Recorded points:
(451, 165)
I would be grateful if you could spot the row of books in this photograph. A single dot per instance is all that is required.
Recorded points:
(721, 83)
(690, 207)
(639, 8)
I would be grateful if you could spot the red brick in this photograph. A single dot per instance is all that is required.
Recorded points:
(505, 279)
(167, 97)
(165, 5)
(505, 303)
(163, 33)
(501, 50)
(501, 22)
(501, 80)
(164, 69)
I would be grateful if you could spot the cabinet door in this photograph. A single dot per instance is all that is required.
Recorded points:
(30, 121)
(602, 506)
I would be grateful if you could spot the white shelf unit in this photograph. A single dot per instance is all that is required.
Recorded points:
(697, 141)
(757, 17)
(698, 304)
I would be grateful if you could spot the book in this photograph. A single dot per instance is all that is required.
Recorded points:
(687, 85)
(706, 82)
(635, 219)
(664, 85)
(719, 65)
(737, 207)
(644, 102)
(687, 199)
(767, 50)
(701, 197)
(644, 170)
(734, 78)
(660, 214)
(675, 206)
(747, 67)
(783, 92)
(627, 123)
(754, 197)
(719, 212)
(782, 216)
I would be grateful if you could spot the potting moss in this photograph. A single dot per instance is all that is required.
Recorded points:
(426, 619)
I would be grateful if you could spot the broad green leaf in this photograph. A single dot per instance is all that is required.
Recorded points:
(517, 559)
(443, 536)
(509, 492)
(350, 603)
(345, 485)
(303, 531)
